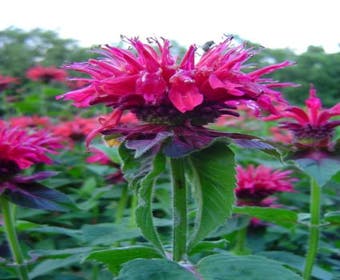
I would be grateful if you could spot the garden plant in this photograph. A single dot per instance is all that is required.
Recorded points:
(146, 160)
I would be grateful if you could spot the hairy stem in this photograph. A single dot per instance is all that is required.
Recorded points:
(12, 238)
(179, 217)
(314, 229)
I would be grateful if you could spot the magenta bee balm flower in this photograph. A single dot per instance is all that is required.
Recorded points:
(167, 95)
(46, 74)
(23, 149)
(312, 127)
(256, 184)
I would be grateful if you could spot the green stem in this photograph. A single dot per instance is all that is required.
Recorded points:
(314, 229)
(11, 235)
(240, 247)
(134, 202)
(179, 217)
(122, 204)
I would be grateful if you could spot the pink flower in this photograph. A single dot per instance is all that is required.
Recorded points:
(46, 74)
(98, 157)
(312, 127)
(22, 148)
(5, 81)
(76, 129)
(281, 136)
(256, 184)
(149, 83)
(30, 121)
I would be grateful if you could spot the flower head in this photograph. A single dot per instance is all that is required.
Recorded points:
(5, 81)
(76, 129)
(313, 126)
(30, 121)
(152, 85)
(256, 184)
(170, 98)
(21, 149)
(46, 74)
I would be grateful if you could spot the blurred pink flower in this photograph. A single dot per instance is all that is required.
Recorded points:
(256, 184)
(30, 121)
(98, 157)
(5, 81)
(76, 129)
(23, 148)
(46, 74)
(311, 127)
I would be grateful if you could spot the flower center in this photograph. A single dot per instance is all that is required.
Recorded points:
(168, 115)
(310, 132)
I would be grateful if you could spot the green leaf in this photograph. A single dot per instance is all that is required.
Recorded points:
(144, 218)
(333, 217)
(107, 234)
(58, 230)
(296, 262)
(142, 269)
(142, 174)
(243, 267)
(135, 169)
(205, 246)
(321, 169)
(213, 177)
(62, 254)
(283, 217)
(37, 196)
(114, 258)
(49, 265)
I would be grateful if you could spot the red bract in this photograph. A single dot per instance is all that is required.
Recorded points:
(152, 85)
(5, 81)
(46, 74)
(19, 147)
(313, 126)
(255, 184)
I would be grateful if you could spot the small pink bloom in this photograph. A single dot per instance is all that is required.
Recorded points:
(30, 121)
(26, 148)
(311, 126)
(76, 129)
(254, 184)
(46, 74)
(98, 157)
(5, 81)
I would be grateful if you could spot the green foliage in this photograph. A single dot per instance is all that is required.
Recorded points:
(213, 177)
(115, 257)
(282, 217)
(154, 270)
(240, 268)
(20, 50)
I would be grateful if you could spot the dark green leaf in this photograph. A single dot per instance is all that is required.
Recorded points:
(107, 234)
(283, 217)
(320, 166)
(115, 257)
(206, 246)
(243, 267)
(333, 217)
(154, 270)
(213, 177)
(49, 265)
(296, 262)
(144, 218)
(141, 174)
(38, 196)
